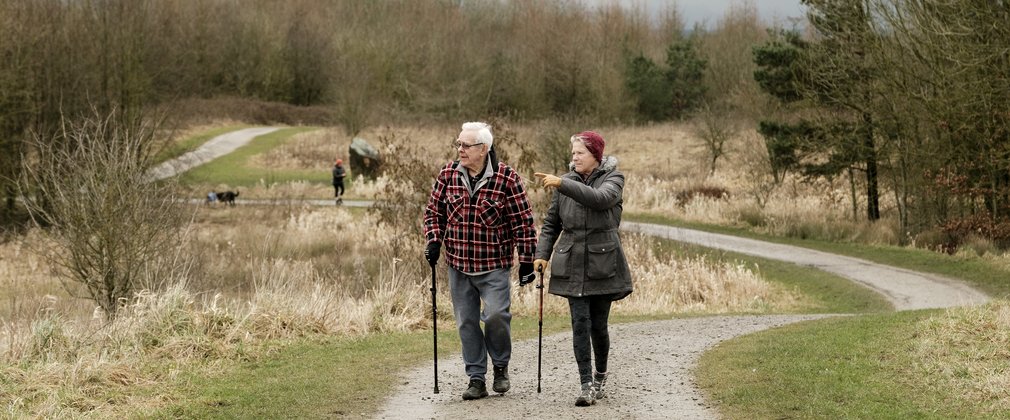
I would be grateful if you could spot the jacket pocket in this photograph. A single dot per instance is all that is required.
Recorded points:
(454, 208)
(559, 262)
(490, 213)
(602, 261)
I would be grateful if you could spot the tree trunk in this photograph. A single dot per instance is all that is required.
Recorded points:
(872, 192)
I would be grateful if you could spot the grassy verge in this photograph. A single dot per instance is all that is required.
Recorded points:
(326, 378)
(189, 144)
(233, 169)
(976, 272)
(853, 367)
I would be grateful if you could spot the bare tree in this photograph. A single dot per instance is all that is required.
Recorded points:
(86, 188)
(715, 127)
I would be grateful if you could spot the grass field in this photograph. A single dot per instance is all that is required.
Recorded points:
(864, 367)
(329, 377)
(234, 169)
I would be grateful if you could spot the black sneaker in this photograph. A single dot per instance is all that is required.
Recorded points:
(475, 391)
(586, 396)
(501, 379)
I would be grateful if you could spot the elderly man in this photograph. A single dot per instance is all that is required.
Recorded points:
(479, 209)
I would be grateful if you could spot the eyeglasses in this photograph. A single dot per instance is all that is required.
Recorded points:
(465, 146)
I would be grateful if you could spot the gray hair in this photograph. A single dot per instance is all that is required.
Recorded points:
(483, 132)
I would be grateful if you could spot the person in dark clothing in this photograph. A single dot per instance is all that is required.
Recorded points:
(338, 180)
(588, 267)
(479, 209)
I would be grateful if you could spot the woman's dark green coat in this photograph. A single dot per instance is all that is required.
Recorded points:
(581, 237)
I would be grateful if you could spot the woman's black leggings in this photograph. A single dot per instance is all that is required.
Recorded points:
(338, 189)
(589, 328)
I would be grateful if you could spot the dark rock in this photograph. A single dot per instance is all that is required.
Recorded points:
(365, 159)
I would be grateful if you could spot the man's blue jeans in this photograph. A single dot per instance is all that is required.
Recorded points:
(496, 339)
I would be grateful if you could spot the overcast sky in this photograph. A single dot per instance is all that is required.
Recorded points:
(709, 11)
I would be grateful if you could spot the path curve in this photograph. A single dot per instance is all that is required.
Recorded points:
(651, 363)
(650, 368)
(905, 289)
(212, 149)
(223, 145)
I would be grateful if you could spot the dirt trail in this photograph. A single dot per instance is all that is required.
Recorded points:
(213, 149)
(651, 363)
(906, 289)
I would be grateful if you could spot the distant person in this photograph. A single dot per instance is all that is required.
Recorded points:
(588, 265)
(479, 209)
(338, 180)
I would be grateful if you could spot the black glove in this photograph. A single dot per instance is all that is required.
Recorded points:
(526, 275)
(431, 252)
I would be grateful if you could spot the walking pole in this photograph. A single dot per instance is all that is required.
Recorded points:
(434, 324)
(540, 323)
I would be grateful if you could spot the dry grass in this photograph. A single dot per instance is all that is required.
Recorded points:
(318, 149)
(64, 362)
(664, 163)
(304, 149)
(673, 284)
(965, 351)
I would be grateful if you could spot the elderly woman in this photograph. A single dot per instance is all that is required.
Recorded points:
(580, 236)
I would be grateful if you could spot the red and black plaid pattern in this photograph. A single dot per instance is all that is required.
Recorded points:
(480, 233)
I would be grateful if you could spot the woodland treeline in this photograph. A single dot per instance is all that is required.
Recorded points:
(365, 62)
(911, 96)
(905, 98)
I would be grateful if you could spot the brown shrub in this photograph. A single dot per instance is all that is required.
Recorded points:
(979, 225)
(684, 197)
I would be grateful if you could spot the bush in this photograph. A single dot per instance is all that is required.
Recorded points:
(88, 189)
(752, 215)
(935, 240)
(979, 226)
(978, 245)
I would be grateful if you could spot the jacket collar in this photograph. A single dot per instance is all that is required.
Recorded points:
(609, 164)
(490, 166)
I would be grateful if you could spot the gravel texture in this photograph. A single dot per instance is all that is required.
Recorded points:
(651, 363)
(650, 375)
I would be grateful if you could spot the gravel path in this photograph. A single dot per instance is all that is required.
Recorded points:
(906, 289)
(651, 362)
(212, 149)
(650, 365)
